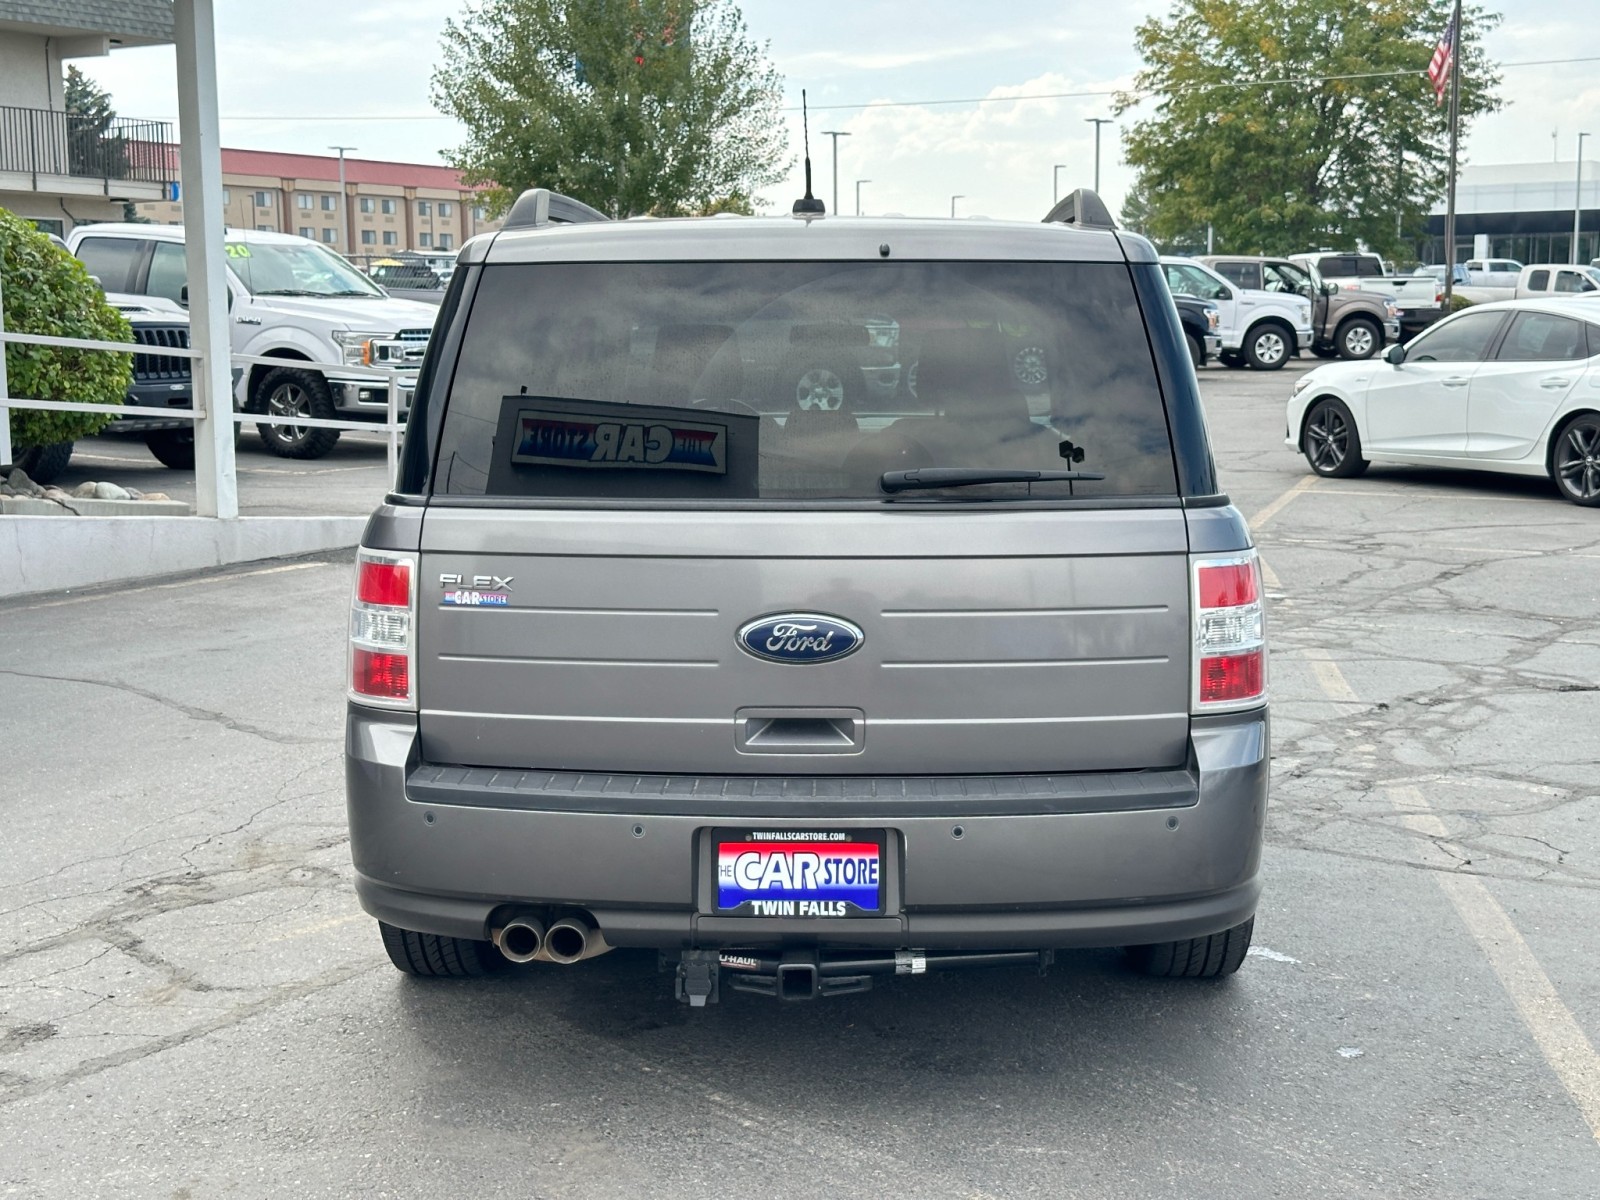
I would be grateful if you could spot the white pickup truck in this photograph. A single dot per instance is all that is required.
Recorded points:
(288, 298)
(1552, 280)
(1261, 328)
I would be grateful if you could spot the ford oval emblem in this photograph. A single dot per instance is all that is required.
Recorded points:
(800, 638)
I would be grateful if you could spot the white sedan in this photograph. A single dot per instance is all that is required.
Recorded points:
(1512, 386)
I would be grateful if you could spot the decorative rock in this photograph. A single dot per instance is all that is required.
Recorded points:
(21, 485)
(135, 494)
(7, 490)
(162, 496)
(84, 491)
(110, 491)
(56, 494)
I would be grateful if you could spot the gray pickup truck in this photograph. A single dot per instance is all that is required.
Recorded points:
(1345, 324)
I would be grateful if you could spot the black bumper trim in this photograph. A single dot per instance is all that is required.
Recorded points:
(802, 796)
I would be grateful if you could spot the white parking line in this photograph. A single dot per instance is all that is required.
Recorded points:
(1556, 1031)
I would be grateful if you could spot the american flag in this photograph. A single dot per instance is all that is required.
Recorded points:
(1444, 55)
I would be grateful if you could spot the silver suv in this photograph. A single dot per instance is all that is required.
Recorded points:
(803, 686)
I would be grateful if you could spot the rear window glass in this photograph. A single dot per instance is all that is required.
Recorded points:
(801, 381)
(111, 261)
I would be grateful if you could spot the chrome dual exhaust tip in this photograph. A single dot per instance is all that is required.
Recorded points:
(572, 940)
(521, 939)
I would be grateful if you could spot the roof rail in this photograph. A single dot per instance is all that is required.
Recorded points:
(537, 207)
(1081, 207)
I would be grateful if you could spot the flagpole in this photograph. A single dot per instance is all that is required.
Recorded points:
(1450, 187)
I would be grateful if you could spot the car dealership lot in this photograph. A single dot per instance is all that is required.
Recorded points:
(190, 1001)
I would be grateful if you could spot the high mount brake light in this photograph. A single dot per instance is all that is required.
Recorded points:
(1230, 648)
(383, 630)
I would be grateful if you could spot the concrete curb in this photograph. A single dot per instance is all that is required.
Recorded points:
(49, 554)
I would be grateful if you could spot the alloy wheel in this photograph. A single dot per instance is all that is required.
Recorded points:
(1327, 439)
(290, 400)
(1358, 341)
(1578, 461)
(1270, 348)
(820, 388)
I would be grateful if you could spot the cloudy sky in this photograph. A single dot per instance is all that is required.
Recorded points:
(297, 75)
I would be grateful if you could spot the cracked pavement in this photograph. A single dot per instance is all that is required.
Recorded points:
(191, 1003)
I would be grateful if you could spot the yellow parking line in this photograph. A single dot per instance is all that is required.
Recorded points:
(1282, 502)
(1556, 1031)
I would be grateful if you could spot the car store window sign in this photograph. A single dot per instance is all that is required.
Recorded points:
(555, 438)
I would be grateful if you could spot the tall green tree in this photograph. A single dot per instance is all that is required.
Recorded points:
(1288, 125)
(94, 146)
(632, 106)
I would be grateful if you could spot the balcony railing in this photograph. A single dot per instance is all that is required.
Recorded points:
(44, 141)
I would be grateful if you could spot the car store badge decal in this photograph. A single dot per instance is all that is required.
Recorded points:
(557, 439)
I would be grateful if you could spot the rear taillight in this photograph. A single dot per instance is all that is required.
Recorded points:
(1230, 646)
(383, 630)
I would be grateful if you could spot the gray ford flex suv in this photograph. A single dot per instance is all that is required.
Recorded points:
(659, 644)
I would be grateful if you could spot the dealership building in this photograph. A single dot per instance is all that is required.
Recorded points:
(1522, 211)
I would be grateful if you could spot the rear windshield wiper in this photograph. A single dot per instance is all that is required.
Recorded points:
(943, 477)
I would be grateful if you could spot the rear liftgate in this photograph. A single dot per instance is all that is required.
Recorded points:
(807, 974)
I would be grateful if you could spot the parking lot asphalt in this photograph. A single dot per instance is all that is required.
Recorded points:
(191, 1003)
(351, 480)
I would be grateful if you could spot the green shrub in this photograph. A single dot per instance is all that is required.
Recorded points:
(48, 292)
(1458, 302)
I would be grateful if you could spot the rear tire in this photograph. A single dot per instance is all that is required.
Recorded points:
(1325, 352)
(1575, 461)
(1230, 358)
(1211, 957)
(44, 464)
(432, 956)
(173, 448)
(285, 392)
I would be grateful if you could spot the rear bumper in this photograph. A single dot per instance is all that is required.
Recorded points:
(1055, 877)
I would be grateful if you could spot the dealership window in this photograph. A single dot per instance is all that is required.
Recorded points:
(446, 242)
(263, 199)
(390, 237)
(369, 237)
(265, 229)
(328, 235)
(328, 201)
(307, 232)
(479, 212)
(389, 207)
(422, 208)
(444, 208)
(303, 200)
(425, 240)
(366, 204)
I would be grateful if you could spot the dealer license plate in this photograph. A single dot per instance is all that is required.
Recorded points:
(799, 873)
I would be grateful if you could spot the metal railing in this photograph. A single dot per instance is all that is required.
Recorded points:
(44, 141)
(393, 426)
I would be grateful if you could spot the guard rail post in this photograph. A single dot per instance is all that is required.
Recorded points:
(393, 426)
(5, 413)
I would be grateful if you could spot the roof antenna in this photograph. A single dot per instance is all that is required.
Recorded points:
(808, 204)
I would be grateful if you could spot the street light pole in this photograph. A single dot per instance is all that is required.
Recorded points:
(1055, 182)
(1097, 122)
(344, 203)
(859, 182)
(1577, 202)
(835, 134)
(953, 200)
